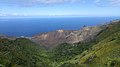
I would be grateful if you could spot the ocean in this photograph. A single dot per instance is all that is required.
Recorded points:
(32, 26)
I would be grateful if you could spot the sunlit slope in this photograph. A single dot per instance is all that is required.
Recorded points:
(105, 52)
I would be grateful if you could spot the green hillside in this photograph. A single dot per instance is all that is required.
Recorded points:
(21, 53)
(103, 51)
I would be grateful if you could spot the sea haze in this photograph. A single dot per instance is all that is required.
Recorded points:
(32, 26)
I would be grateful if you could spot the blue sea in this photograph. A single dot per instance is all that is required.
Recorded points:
(33, 26)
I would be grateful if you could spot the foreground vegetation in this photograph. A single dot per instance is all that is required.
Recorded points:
(103, 51)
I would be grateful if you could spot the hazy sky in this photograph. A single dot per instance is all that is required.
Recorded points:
(60, 7)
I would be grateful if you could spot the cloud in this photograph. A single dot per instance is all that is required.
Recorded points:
(12, 14)
(97, 1)
(53, 2)
(115, 2)
(37, 2)
(108, 2)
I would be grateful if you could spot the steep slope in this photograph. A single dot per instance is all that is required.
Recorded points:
(105, 51)
(52, 39)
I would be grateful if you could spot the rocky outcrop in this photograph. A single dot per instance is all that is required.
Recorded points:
(84, 34)
(7, 37)
(52, 39)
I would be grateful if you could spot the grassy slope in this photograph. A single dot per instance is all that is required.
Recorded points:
(106, 51)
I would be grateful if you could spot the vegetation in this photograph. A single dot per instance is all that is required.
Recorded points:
(21, 53)
(103, 51)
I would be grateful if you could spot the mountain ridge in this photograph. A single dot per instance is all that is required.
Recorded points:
(52, 39)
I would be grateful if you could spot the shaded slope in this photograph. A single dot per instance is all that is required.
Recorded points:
(21, 53)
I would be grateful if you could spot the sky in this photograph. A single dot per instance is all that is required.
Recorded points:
(59, 7)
